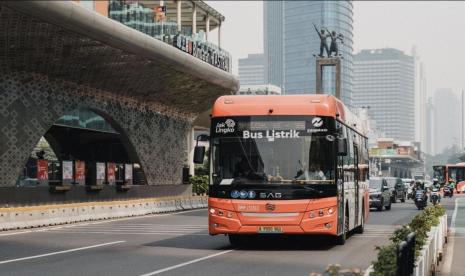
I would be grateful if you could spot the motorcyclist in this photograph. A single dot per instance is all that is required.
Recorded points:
(436, 186)
(421, 186)
(451, 184)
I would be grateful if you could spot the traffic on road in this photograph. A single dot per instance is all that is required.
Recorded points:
(179, 244)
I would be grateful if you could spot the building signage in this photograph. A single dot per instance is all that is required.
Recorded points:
(160, 13)
(203, 51)
(42, 170)
(80, 171)
(100, 171)
(67, 170)
(111, 167)
(127, 171)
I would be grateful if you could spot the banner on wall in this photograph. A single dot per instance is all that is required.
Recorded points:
(42, 170)
(80, 171)
(67, 170)
(111, 173)
(128, 172)
(101, 171)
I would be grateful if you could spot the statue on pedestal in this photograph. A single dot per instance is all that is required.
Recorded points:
(323, 44)
(333, 48)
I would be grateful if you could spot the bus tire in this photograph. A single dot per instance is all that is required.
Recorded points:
(235, 240)
(361, 227)
(341, 239)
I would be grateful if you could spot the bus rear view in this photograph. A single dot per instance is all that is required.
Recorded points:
(286, 165)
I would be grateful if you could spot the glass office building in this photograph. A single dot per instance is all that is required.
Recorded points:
(290, 43)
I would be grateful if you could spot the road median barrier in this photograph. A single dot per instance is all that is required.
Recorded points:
(47, 215)
(430, 231)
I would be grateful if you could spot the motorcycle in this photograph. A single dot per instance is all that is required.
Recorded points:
(420, 199)
(435, 198)
(410, 193)
(448, 191)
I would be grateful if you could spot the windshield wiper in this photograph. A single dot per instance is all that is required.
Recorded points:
(312, 189)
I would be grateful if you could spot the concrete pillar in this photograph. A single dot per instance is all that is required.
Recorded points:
(207, 27)
(194, 18)
(178, 9)
(191, 146)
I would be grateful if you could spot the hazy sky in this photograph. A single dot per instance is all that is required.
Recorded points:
(436, 28)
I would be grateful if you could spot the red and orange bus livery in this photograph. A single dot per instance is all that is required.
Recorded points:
(294, 164)
(455, 172)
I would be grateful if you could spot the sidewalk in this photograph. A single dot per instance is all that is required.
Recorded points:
(454, 263)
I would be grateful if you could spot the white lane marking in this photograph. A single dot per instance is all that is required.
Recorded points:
(446, 269)
(186, 263)
(98, 222)
(131, 230)
(131, 233)
(135, 229)
(131, 227)
(60, 252)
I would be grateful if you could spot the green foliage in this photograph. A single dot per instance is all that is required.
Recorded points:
(386, 263)
(199, 184)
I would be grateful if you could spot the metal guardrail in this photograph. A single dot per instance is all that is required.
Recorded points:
(431, 253)
(406, 256)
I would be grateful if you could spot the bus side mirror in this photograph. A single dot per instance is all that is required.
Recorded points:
(342, 147)
(199, 151)
(199, 154)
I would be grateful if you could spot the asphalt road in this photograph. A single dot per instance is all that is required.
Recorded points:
(179, 244)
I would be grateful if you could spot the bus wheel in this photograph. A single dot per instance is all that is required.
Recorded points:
(361, 227)
(235, 240)
(341, 239)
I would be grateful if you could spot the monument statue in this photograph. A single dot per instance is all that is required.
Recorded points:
(333, 48)
(323, 44)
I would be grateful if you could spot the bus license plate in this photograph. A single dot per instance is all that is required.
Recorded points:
(270, 229)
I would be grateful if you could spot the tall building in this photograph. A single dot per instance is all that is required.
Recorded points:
(447, 119)
(429, 127)
(252, 70)
(384, 82)
(421, 127)
(290, 41)
(273, 42)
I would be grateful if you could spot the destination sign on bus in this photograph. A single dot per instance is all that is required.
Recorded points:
(264, 128)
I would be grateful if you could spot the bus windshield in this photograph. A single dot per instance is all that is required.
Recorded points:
(457, 173)
(273, 152)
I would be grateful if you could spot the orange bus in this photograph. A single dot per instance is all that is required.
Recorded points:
(293, 164)
(451, 171)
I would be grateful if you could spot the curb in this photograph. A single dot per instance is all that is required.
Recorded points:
(48, 215)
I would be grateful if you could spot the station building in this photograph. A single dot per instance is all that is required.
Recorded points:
(100, 100)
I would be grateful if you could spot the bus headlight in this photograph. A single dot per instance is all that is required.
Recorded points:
(212, 211)
(331, 210)
(321, 213)
(311, 215)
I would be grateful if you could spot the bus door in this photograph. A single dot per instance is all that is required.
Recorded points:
(340, 194)
(356, 190)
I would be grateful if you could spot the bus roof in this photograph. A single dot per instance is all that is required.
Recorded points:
(315, 105)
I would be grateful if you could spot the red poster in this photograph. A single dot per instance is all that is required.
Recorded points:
(111, 172)
(42, 170)
(80, 171)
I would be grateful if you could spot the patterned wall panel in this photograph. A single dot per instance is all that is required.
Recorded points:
(31, 102)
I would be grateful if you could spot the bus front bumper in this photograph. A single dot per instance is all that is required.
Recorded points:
(289, 217)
